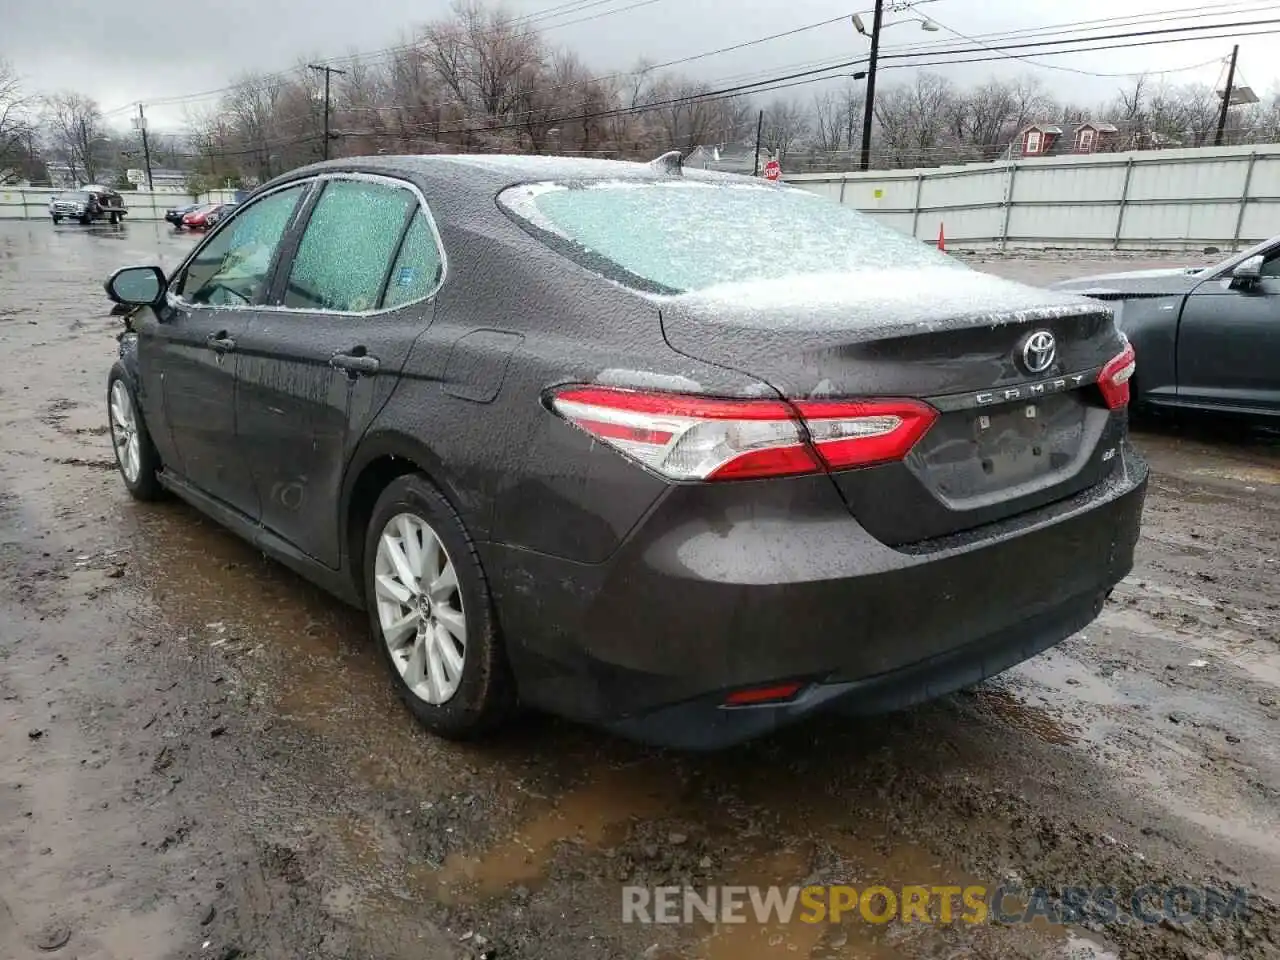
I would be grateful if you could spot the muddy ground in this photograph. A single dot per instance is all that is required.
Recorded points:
(201, 758)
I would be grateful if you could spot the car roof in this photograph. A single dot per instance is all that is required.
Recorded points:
(485, 173)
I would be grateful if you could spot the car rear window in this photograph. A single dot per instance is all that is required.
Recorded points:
(680, 237)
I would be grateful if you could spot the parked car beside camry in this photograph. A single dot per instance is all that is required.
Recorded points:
(567, 453)
(1209, 337)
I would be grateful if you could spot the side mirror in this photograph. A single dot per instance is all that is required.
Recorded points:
(1247, 272)
(136, 286)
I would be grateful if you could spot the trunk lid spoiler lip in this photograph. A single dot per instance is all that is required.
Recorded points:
(817, 311)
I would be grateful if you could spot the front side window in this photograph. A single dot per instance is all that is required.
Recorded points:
(234, 267)
(677, 237)
(346, 251)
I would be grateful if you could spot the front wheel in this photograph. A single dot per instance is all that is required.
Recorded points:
(56, 219)
(431, 614)
(135, 453)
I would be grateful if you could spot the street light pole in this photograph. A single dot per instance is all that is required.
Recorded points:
(327, 71)
(868, 112)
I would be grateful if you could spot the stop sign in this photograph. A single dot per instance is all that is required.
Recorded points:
(772, 170)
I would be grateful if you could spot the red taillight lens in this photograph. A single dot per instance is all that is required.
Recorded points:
(699, 438)
(858, 434)
(1113, 381)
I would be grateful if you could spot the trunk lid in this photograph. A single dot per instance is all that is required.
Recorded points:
(1009, 436)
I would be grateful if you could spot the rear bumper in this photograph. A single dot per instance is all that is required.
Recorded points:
(728, 586)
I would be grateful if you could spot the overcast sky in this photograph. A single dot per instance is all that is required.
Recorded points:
(163, 49)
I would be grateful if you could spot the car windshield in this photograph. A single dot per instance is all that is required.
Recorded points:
(679, 237)
(76, 195)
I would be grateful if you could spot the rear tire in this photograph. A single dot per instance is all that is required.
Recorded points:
(115, 219)
(136, 455)
(431, 613)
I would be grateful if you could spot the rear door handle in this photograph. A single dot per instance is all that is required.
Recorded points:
(220, 342)
(354, 364)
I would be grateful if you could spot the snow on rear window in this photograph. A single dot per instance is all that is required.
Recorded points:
(687, 236)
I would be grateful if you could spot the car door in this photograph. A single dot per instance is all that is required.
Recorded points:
(354, 294)
(189, 347)
(1229, 343)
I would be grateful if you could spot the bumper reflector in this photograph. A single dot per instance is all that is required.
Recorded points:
(754, 696)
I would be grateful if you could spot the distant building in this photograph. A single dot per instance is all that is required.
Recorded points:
(163, 179)
(1048, 139)
(727, 158)
(1091, 137)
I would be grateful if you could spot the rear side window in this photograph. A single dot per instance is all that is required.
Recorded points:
(677, 237)
(417, 268)
(348, 246)
(232, 268)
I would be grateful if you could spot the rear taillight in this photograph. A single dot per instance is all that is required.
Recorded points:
(1113, 381)
(859, 433)
(684, 437)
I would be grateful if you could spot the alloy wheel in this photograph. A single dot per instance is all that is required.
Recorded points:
(124, 432)
(420, 608)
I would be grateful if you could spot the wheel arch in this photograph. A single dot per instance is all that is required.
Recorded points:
(378, 461)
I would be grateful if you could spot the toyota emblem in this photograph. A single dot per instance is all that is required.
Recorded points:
(1038, 351)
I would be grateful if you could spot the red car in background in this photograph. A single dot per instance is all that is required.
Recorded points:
(198, 219)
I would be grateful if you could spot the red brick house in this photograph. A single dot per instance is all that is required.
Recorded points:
(1091, 137)
(1049, 140)
(1039, 139)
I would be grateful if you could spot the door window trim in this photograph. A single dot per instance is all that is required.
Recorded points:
(421, 207)
(297, 229)
(177, 300)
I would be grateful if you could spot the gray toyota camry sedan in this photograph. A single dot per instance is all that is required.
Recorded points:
(685, 455)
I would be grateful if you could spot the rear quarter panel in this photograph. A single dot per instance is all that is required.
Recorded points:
(514, 319)
(1151, 324)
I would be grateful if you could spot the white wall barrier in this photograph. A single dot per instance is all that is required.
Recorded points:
(1227, 197)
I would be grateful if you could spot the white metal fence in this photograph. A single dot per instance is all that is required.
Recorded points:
(32, 203)
(1166, 199)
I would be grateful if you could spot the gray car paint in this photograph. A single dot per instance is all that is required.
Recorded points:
(1202, 342)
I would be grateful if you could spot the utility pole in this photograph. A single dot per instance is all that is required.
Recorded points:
(759, 127)
(1226, 96)
(868, 113)
(141, 124)
(84, 149)
(327, 71)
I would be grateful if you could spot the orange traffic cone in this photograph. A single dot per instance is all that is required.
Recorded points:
(942, 239)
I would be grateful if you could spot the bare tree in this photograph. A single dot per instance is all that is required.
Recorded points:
(916, 122)
(74, 125)
(785, 123)
(483, 59)
(828, 122)
(15, 124)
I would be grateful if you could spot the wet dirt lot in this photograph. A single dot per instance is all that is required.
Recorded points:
(200, 756)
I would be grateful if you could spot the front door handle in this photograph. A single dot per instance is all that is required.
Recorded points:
(220, 342)
(355, 364)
